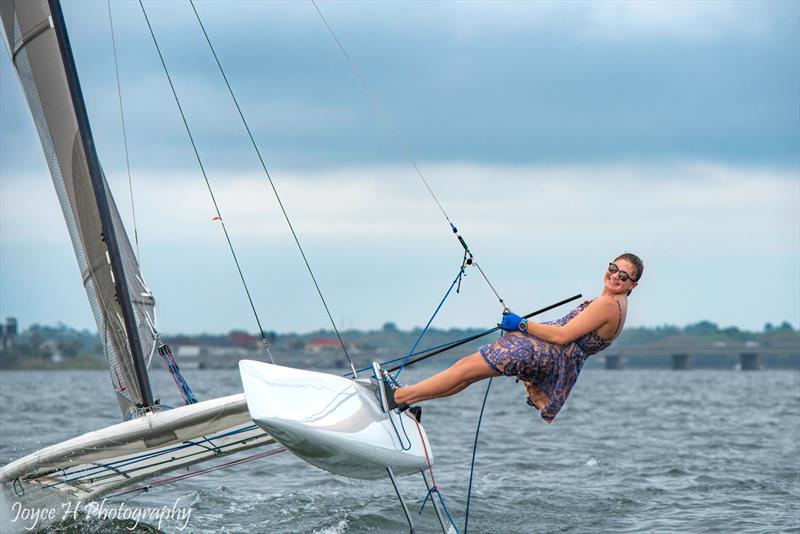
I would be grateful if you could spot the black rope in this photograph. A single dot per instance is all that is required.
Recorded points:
(274, 189)
(429, 353)
(264, 339)
(469, 259)
(474, 453)
(385, 116)
(124, 133)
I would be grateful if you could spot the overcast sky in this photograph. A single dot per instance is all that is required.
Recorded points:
(556, 135)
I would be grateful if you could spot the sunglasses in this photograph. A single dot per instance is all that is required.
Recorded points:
(623, 276)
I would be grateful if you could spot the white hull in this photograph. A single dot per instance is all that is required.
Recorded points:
(100, 462)
(333, 422)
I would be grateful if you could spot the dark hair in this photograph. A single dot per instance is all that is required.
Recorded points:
(636, 261)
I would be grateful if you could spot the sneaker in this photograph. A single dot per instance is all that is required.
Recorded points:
(390, 380)
(386, 387)
(394, 385)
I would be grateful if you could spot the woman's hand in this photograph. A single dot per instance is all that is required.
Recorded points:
(511, 322)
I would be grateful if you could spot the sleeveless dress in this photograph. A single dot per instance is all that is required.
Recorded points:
(547, 367)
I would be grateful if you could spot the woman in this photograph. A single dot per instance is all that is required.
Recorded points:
(547, 357)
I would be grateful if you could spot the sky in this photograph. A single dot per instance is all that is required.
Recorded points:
(554, 135)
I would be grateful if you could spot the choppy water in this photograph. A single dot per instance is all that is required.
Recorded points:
(632, 451)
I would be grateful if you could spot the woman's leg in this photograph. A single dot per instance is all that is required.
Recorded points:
(461, 374)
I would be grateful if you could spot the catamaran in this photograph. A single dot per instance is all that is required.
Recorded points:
(337, 423)
(342, 430)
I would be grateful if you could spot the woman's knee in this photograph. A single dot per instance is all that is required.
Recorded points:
(476, 368)
(463, 361)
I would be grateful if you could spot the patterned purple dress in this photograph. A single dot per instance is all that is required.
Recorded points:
(549, 368)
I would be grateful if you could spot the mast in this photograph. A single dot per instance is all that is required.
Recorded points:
(123, 307)
(101, 197)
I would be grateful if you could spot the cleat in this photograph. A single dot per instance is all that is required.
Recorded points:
(416, 412)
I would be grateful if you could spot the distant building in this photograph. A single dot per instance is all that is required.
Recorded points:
(188, 351)
(188, 356)
(8, 331)
(50, 348)
(323, 344)
(240, 338)
(211, 357)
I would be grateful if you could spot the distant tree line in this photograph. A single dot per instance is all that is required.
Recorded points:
(50, 343)
(46, 343)
(706, 332)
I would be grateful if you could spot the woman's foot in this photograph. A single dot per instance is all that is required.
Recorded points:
(387, 386)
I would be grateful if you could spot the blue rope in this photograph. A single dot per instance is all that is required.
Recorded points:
(423, 351)
(172, 365)
(411, 352)
(435, 490)
(446, 511)
(424, 330)
(114, 466)
(474, 451)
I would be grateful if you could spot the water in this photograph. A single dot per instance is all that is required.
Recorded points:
(632, 451)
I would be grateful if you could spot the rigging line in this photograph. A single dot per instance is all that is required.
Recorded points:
(483, 274)
(124, 133)
(191, 474)
(381, 111)
(474, 452)
(443, 348)
(102, 470)
(153, 454)
(274, 188)
(385, 116)
(424, 330)
(264, 339)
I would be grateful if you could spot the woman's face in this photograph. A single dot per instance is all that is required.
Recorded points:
(613, 281)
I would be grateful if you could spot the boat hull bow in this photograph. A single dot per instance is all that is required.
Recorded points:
(333, 422)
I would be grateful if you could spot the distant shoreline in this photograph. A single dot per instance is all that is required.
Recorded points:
(785, 362)
(702, 345)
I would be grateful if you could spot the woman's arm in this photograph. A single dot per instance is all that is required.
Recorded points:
(596, 314)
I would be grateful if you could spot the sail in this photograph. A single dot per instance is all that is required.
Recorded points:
(123, 307)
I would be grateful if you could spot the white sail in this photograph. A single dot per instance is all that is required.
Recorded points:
(109, 269)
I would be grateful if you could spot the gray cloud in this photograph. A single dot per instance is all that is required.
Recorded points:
(493, 99)
(483, 83)
(541, 232)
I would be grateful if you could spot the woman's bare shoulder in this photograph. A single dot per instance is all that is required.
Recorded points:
(605, 304)
(604, 300)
